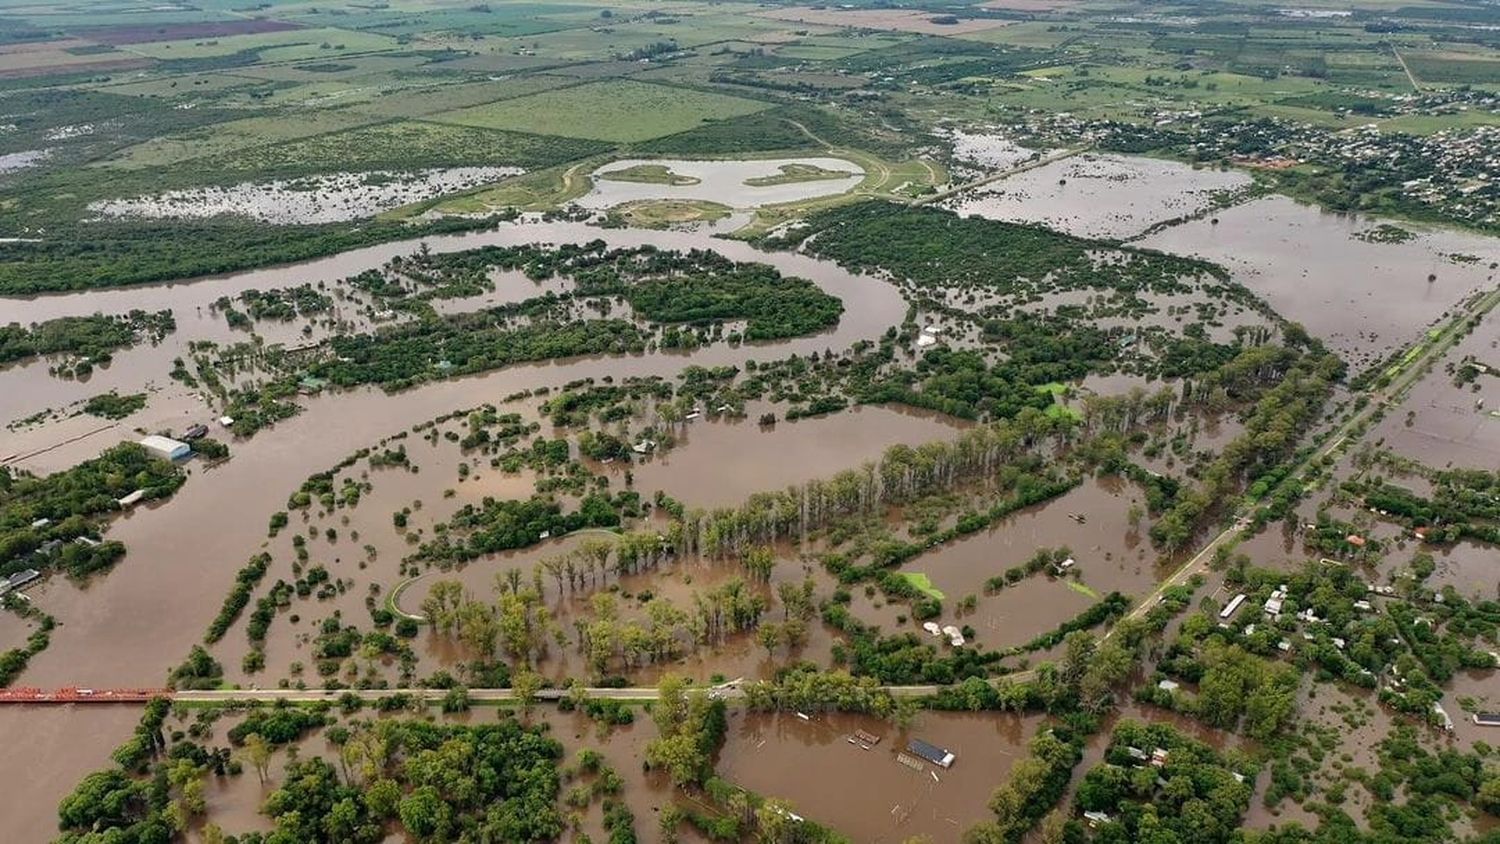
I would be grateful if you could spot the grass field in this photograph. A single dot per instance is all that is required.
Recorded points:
(275, 46)
(664, 213)
(651, 174)
(1453, 68)
(235, 135)
(618, 110)
(922, 583)
(408, 145)
(432, 99)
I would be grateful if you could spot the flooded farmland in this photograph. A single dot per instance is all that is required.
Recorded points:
(129, 627)
(331, 198)
(1446, 419)
(720, 463)
(1100, 196)
(1363, 298)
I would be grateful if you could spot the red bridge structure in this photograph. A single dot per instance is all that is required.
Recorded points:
(76, 695)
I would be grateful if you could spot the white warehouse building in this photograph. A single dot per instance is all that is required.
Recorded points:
(166, 447)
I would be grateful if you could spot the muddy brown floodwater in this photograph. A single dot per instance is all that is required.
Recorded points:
(48, 750)
(1114, 196)
(1362, 299)
(127, 628)
(1442, 422)
(720, 463)
(871, 795)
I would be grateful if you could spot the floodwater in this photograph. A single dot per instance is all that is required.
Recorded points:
(12, 161)
(127, 628)
(329, 198)
(50, 749)
(1110, 557)
(722, 182)
(721, 462)
(1101, 196)
(1362, 299)
(1441, 422)
(869, 795)
(986, 151)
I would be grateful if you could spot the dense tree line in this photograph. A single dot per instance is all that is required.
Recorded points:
(932, 247)
(690, 728)
(1296, 387)
(110, 253)
(696, 287)
(93, 337)
(462, 344)
(492, 781)
(112, 405)
(238, 598)
(69, 505)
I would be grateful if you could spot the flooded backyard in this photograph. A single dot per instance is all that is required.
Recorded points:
(870, 795)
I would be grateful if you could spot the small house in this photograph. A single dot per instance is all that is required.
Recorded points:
(1095, 818)
(165, 447)
(931, 752)
(1232, 606)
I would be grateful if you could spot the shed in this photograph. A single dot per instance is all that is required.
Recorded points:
(166, 448)
(931, 752)
(1487, 719)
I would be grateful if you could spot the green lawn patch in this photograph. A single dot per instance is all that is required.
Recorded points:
(651, 174)
(1082, 589)
(797, 172)
(922, 583)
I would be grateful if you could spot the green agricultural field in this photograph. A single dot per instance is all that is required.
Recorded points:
(274, 46)
(507, 19)
(407, 145)
(1453, 68)
(429, 99)
(235, 135)
(620, 111)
